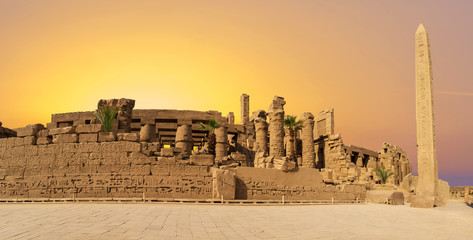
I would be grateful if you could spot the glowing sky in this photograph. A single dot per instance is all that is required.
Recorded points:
(355, 56)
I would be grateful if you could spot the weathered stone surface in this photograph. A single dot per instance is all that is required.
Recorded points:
(6, 132)
(230, 118)
(89, 128)
(43, 133)
(261, 131)
(427, 186)
(379, 196)
(107, 136)
(443, 193)
(124, 115)
(397, 198)
(307, 136)
(131, 137)
(202, 160)
(184, 139)
(467, 194)
(245, 109)
(65, 138)
(221, 137)
(167, 152)
(29, 130)
(43, 140)
(88, 137)
(395, 159)
(409, 183)
(276, 128)
(148, 133)
(62, 130)
(224, 184)
(325, 123)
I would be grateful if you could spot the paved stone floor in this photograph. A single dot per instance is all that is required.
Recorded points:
(182, 221)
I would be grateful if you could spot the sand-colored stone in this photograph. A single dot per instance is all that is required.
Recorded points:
(29, 130)
(89, 128)
(467, 194)
(276, 127)
(148, 133)
(245, 109)
(184, 139)
(124, 115)
(427, 186)
(107, 136)
(307, 136)
(224, 184)
(131, 137)
(62, 130)
(202, 160)
(221, 137)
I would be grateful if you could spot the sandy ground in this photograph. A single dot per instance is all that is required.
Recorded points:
(174, 221)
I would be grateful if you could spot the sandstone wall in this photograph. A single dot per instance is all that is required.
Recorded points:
(107, 169)
(304, 184)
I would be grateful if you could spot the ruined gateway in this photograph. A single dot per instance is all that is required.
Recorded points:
(160, 154)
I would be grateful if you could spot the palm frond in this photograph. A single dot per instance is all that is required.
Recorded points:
(106, 116)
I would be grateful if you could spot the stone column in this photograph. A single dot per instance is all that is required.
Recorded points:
(221, 136)
(261, 131)
(148, 133)
(184, 139)
(245, 109)
(125, 111)
(276, 128)
(307, 136)
(427, 187)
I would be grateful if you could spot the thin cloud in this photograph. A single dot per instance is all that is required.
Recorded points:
(455, 93)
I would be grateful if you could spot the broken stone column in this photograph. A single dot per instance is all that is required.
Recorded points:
(148, 133)
(307, 135)
(124, 115)
(467, 194)
(184, 139)
(245, 109)
(261, 131)
(230, 118)
(221, 137)
(427, 186)
(276, 127)
(325, 124)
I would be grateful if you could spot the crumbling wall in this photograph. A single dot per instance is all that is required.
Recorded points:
(304, 184)
(95, 169)
(395, 159)
(6, 132)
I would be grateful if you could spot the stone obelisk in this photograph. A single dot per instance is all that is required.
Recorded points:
(427, 186)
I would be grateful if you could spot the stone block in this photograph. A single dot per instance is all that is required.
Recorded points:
(65, 138)
(43, 140)
(89, 128)
(396, 198)
(107, 136)
(148, 133)
(62, 130)
(30, 140)
(202, 159)
(167, 152)
(224, 184)
(43, 133)
(29, 130)
(88, 137)
(131, 137)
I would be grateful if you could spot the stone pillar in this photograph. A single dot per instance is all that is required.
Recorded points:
(124, 115)
(221, 136)
(184, 139)
(245, 109)
(427, 187)
(148, 133)
(307, 136)
(467, 194)
(276, 128)
(261, 131)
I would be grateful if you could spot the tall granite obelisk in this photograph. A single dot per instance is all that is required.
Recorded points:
(427, 186)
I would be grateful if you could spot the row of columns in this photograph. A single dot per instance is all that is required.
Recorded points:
(275, 128)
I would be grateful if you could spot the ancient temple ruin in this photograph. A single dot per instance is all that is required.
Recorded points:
(161, 153)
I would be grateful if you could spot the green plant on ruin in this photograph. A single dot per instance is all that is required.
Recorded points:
(293, 126)
(211, 138)
(106, 116)
(383, 174)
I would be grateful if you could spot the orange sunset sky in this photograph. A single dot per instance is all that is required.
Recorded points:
(354, 56)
